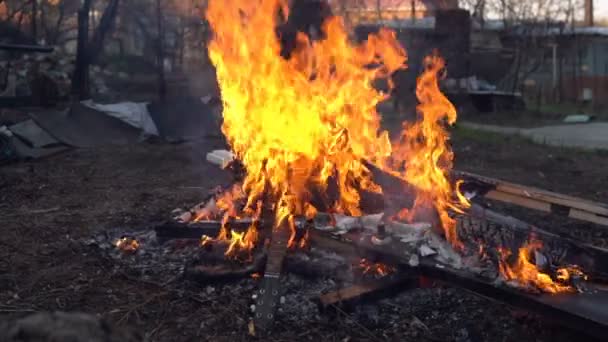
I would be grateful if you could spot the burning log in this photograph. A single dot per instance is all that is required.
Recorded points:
(591, 258)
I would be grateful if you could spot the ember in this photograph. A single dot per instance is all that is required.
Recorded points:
(375, 268)
(127, 245)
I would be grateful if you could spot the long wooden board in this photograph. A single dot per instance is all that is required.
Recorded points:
(534, 198)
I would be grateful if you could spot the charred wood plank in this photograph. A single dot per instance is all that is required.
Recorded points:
(176, 230)
(376, 289)
(221, 272)
(584, 312)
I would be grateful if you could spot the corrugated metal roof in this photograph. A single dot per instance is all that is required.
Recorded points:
(384, 4)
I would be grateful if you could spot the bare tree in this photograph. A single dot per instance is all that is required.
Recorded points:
(88, 51)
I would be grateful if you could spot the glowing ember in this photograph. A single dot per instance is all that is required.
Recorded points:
(527, 274)
(566, 274)
(127, 245)
(375, 268)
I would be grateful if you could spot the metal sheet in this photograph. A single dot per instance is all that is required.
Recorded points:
(33, 134)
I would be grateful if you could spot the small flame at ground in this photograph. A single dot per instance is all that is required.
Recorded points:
(239, 243)
(127, 245)
(375, 268)
(527, 274)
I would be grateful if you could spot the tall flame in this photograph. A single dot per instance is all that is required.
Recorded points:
(424, 149)
(301, 123)
(295, 123)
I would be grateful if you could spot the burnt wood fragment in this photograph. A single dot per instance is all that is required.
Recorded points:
(347, 298)
(177, 230)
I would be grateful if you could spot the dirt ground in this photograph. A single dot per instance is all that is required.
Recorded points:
(48, 206)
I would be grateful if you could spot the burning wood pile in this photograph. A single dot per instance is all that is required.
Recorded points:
(314, 171)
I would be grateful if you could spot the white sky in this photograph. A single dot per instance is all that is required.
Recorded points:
(601, 9)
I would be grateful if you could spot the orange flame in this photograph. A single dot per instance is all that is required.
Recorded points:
(375, 268)
(127, 245)
(238, 242)
(526, 273)
(297, 123)
(423, 148)
(225, 202)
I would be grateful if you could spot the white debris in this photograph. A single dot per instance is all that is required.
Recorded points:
(5, 131)
(425, 250)
(414, 260)
(222, 158)
(371, 222)
(184, 217)
(135, 114)
(540, 259)
(344, 222)
(408, 232)
(445, 252)
(379, 242)
(208, 209)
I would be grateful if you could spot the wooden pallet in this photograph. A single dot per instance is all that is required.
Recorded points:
(534, 198)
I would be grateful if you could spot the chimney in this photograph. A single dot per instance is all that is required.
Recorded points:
(588, 12)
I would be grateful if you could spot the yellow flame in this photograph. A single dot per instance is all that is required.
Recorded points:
(295, 123)
(526, 273)
(298, 123)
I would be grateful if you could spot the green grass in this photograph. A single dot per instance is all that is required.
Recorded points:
(460, 134)
(465, 133)
(564, 109)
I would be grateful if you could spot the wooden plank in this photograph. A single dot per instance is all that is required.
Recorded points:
(368, 291)
(584, 312)
(538, 194)
(545, 206)
(590, 217)
(518, 200)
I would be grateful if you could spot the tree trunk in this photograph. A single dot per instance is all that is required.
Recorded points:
(160, 57)
(106, 24)
(81, 71)
(34, 22)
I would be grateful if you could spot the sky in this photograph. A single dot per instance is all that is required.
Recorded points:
(601, 9)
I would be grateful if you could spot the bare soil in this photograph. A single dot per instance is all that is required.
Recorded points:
(49, 206)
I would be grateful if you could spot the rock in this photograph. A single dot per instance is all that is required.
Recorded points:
(62, 326)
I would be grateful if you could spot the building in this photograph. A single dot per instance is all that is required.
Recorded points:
(372, 11)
